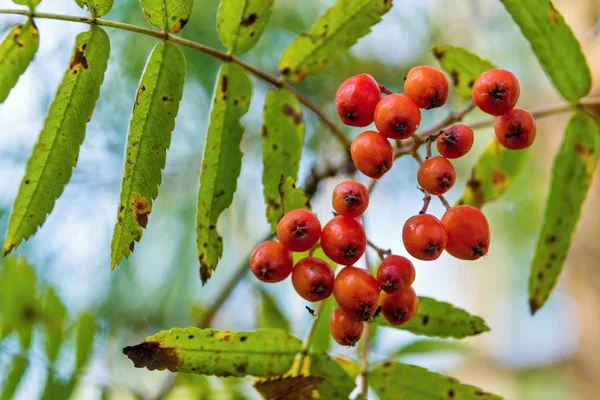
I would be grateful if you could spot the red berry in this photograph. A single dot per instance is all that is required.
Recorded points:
(356, 99)
(313, 279)
(399, 307)
(299, 230)
(372, 154)
(515, 129)
(395, 273)
(350, 198)
(455, 141)
(345, 330)
(424, 237)
(343, 240)
(468, 232)
(426, 86)
(356, 292)
(496, 91)
(397, 116)
(436, 175)
(271, 262)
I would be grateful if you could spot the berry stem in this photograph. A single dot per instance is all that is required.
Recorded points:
(385, 90)
(380, 252)
(429, 142)
(314, 248)
(426, 201)
(417, 157)
(364, 361)
(444, 202)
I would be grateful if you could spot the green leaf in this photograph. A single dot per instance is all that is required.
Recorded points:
(554, 44)
(282, 136)
(16, 53)
(337, 384)
(54, 316)
(270, 315)
(422, 346)
(152, 121)
(351, 367)
(572, 173)
(493, 173)
(265, 352)
(392, 380)
(221, 163)
(440, 319)
(29, 3)
(13, 377)
(19, 304)
(97, 8)
(56, 388)
(55, 154)
(171, 15)
(330, 36)
(463, 66)
(85, 333)
(242, 22)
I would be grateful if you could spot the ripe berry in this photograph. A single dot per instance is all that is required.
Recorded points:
(356, 99)
(271, 262)
(496, 91)
(356, 292)
(299, 230)
(345, 329)
(397, 116)
(455, 141)
(426, 86)
(343, 240)
(395, 273)
(372, 154)
(313, 279)
(350, 198)
(515, 129)
(424, 237)
(399, 307)
(468, 232)
(436, 175)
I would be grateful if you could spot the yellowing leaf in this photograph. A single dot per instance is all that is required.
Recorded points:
(16, 53)
(55, 154)
(572, 174)
(265, 352)
(171, 15)
(152, 121)
(331, 35)
(221, 163)
(242, 22)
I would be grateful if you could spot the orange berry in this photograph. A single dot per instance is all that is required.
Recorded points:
(516, 129)
(372, 154)
(436, 175)
(426, 86)
(397, 116)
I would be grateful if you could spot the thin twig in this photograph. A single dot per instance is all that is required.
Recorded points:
(380, 252)
(385, 90)
(371, 185)
(223, 56)
(444, 201)
(426, 201)
(364, 361)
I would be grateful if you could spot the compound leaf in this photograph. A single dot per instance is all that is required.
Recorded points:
(572, 173)
(242, 22)
(331, 35)
(265, 352)
(152, 121)
(16, 53)
(55, 154)
(222, 162)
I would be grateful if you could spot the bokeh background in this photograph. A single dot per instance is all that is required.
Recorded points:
(553, 355)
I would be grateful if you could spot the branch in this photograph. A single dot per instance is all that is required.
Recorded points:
(225, 57)
(364, 360)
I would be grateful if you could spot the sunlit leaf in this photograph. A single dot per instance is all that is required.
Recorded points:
(13, 377)
(337, 384)
(270, 315)
(221, 163)
(242, 22)
(282, 136)
(493, 173)
(554, 44)
(152, 121)
(572, 173)
(289, 387)
(351, 367)
(97, 8)
(331, 35)
(423, 346)
(55, 154)
(29, 3)
(54, 316)
(440, 319)
(85, 333)
(265, 352)
(392, 380)
(16, 53)
(171, 15)
(463, 66)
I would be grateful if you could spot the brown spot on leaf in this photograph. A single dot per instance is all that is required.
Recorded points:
(131, 246)
(551, 239)
(141, 209)
(439, 54)
(241, 368)
(227, 337)
(289, 111)
(425, 319)
(249, 20)
(179, 26)
(224, 83)
(454, 76)
(451, 393)
(152, 356)
(84, 62)
(554, 15)
(243, 338)
(76, 59)
(205, 271)
(533, 305)
(498, 177)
